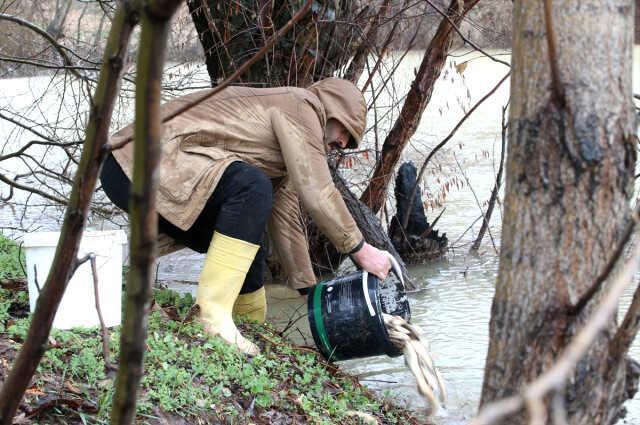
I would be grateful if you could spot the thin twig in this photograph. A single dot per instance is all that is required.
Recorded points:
(22, 266)
(558, 91)
(105, 332)
(26, 127)
(405, 219)
(496, 187)
(35, 191)
(60, 48)
(471, 43)
(617, 253)
(465, 232)
(381, 55)
(473, 192)
(35, 278)
(292, 321)
(430, 228)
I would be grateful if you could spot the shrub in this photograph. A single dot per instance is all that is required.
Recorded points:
(11, 257)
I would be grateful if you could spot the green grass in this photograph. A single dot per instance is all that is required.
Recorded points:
(10, 257)
(199, 378)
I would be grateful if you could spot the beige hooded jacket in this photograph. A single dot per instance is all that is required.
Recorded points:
(279, 130)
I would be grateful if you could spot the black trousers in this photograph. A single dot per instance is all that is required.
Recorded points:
(238, 207)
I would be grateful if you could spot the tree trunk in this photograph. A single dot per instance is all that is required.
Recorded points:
(417, 99)
(568, 187)
(231, 32)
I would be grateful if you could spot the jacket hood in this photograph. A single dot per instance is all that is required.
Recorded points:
(343, 101)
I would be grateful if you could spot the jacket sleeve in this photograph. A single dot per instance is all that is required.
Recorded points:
(300, 138)
(289, 238)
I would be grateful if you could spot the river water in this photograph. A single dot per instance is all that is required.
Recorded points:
(453, 308)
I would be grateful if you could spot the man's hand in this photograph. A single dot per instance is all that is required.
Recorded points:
(372, 260)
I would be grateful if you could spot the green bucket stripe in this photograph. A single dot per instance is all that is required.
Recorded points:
(317, 317)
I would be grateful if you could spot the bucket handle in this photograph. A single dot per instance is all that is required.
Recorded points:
(395, 266)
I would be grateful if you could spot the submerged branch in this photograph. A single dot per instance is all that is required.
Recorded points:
(496, 187)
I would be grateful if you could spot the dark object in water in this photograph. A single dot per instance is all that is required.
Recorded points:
(345, 315)
(418, 243)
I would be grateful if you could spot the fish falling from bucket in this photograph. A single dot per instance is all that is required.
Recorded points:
(408, 338)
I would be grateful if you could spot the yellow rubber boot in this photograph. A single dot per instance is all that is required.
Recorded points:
(225, 267)
(252, 305)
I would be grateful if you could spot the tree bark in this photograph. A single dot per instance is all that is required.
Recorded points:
(416, 101)
(230, 32)
(568, 188)
(154, 18)
(75, 216)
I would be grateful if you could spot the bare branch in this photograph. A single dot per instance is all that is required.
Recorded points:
(405, 219)
(34, 143)
(97, 132)
(496, 187)
(26, 127)
(40, 64)
(471, 43)
(60, 48)
(35, 191)
(105, 332)
(155, 19)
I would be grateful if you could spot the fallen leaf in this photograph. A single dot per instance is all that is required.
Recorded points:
(461, 67)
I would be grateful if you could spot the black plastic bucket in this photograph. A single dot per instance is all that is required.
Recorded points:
(345, 315)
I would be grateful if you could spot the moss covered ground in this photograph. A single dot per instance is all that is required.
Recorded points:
(190, 378)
